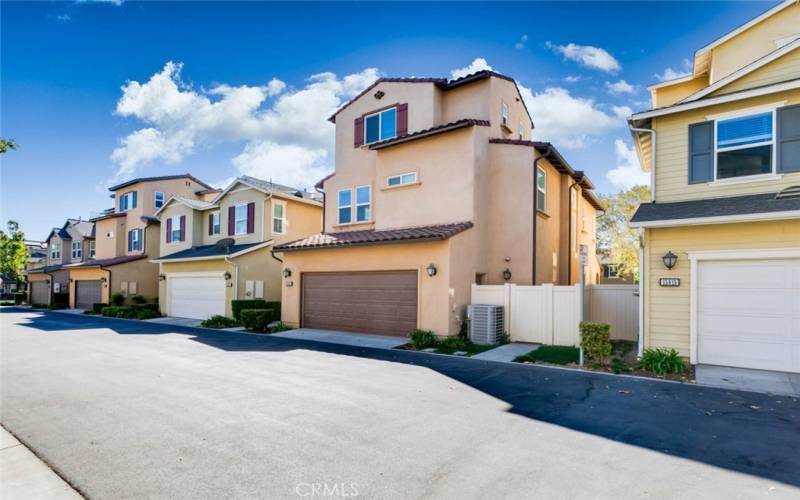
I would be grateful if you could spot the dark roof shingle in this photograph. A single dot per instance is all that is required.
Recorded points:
(372, 236)
(208, 251)
(715, 207)
(113, 261)
(421, 134)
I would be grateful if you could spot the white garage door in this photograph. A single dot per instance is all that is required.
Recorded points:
(749, 314)
(196, 296)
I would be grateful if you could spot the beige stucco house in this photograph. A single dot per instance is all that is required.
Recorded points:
(213, 252)
(438, 185)
(723, 148)
(125, 237)
(72, 243)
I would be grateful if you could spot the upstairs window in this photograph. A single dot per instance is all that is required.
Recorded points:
(345, 206)
(521, 132)
(504, 115)
(611, 271)
(541, 189)
(91, 249)
(215, 227)
(158, 199)
(127, 201)
(402, 179)
(278, 217)
(77, 249)
(240, 220)
(744, 145)
(175, 229)
(135, 238)
(380, 126)
(363, 203)
(55, 250)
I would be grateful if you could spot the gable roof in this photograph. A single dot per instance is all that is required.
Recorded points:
(84, 227)
(268, 187)
(189, 202)
(442, 83)
(211, 252)
(159, 178)
(113, 261)
(439, 129)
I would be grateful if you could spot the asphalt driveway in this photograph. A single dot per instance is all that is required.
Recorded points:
(140, 410)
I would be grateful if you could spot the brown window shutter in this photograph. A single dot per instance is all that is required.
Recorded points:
(210, 224)
(231, 220)
(169, 230)
(402, 119)
(251, 218)
(183, 228)
(358, 132)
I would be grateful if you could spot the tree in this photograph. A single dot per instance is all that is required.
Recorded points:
(7, 145)
(14, 255)
(614, 237)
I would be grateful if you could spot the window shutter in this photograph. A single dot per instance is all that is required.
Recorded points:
(210, 224)
(251, 218)
(402, 119)
(788, 120)
(358, 132)
(701, 152)
(133, 200)
(141, 239)
(130, 240)
(231, 220)
(169, 230)
(183, 228)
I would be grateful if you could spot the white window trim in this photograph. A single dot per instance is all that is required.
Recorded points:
(773, 143)
(176, 226)
(155, 199)
(401, 183)
(237, 220)
(216, 224)
(521, 132)
(339, 207)
(380, 125)
(76, 246)
(129, 198)
(357, 204)
(613, 275)
(505, 114)
(278, 203)
(134, 235)
(92, 249)
(539, 191)
(55, 249)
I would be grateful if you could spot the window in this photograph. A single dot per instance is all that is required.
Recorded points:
(135, 238)
(278, 217)
(504, 114)
(55, 250)
(611, 271)
(744, 145)
(176, 229)
(541, 189)
(402, 179)
(77, 249)
(215, 228)
(158, 199)
(91, 249)
(345, 206)
(127, 201)
(380, 126)
(521, 132)
(240, 219)
(363, 205)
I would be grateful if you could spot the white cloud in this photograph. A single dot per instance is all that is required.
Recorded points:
(566, 120)
(64, 17)
(620, 87)
(672, 74)
(479, 64)
(278, 124)
(521, 43)
(114, 2)
(586, 55)
(572, 78)
(628, 172)
(622, 111)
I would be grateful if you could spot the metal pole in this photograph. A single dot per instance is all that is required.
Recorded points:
(582, 289)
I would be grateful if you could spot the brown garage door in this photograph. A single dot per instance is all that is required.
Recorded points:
(40, 293)
(383, 303)
(87, 293)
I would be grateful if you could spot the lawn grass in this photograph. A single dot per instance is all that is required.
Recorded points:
(555, 354)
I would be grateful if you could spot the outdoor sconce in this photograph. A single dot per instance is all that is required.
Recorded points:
(71, 280)
(47, 281)
(162, 277)
(227, 276)
(431, 270)
(287, 272)
(103, 280)
(507, 274)
(669, 259)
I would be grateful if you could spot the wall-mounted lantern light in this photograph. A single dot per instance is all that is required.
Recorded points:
(507, 274)
(227, 275)
(431, 270)
(162, 277)
(47, 281)
(287, 272)
(103, 279)
(669, 259)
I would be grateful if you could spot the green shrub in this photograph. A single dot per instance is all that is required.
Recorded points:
(117, 299)
(219, 321)
(20, 297)
(257, 320)
(596, 341)
(422, 339)
(238, 305)
(120, 312)
(139, 307)
(139, 299)
(555, 354)
(147, 314)
(662, 361)
(453, 344)
(97, 307)
(280, 326)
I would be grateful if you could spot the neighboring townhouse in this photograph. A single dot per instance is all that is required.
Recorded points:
(127, 237)
(72, 243)
(721, 240)
(611, 273)
(213, 252)
(438, 185)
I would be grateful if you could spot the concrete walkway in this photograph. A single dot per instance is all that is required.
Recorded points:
(171, 320)
(742, 379)
(344, 338)
(506, 352)
(24, 477)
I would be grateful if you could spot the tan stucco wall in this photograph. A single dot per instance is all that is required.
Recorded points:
(92, 273)
(193, 236)
(113, 245)
(667, 308)
(673, 152)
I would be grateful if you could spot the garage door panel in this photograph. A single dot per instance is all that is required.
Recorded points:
(88, 293)
(749, 314)
(40, 292)
(196, 297)
(371, 302)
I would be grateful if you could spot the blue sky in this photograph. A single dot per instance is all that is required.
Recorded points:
(95, 92)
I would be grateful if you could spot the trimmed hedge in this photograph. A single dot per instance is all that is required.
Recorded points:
(238, 305)
(20, 297)
(130, 312)
(596, 341)
(257, 320)
(117, 299)
(97, 307)
(219, 321)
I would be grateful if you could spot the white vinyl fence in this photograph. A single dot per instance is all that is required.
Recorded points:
(549, 314)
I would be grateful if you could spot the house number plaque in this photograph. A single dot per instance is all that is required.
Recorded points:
(669, 282)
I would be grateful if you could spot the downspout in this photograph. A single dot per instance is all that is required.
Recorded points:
(536, 211)
(322, 192)
(652, 133)
(235, 277)
(569, 230)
